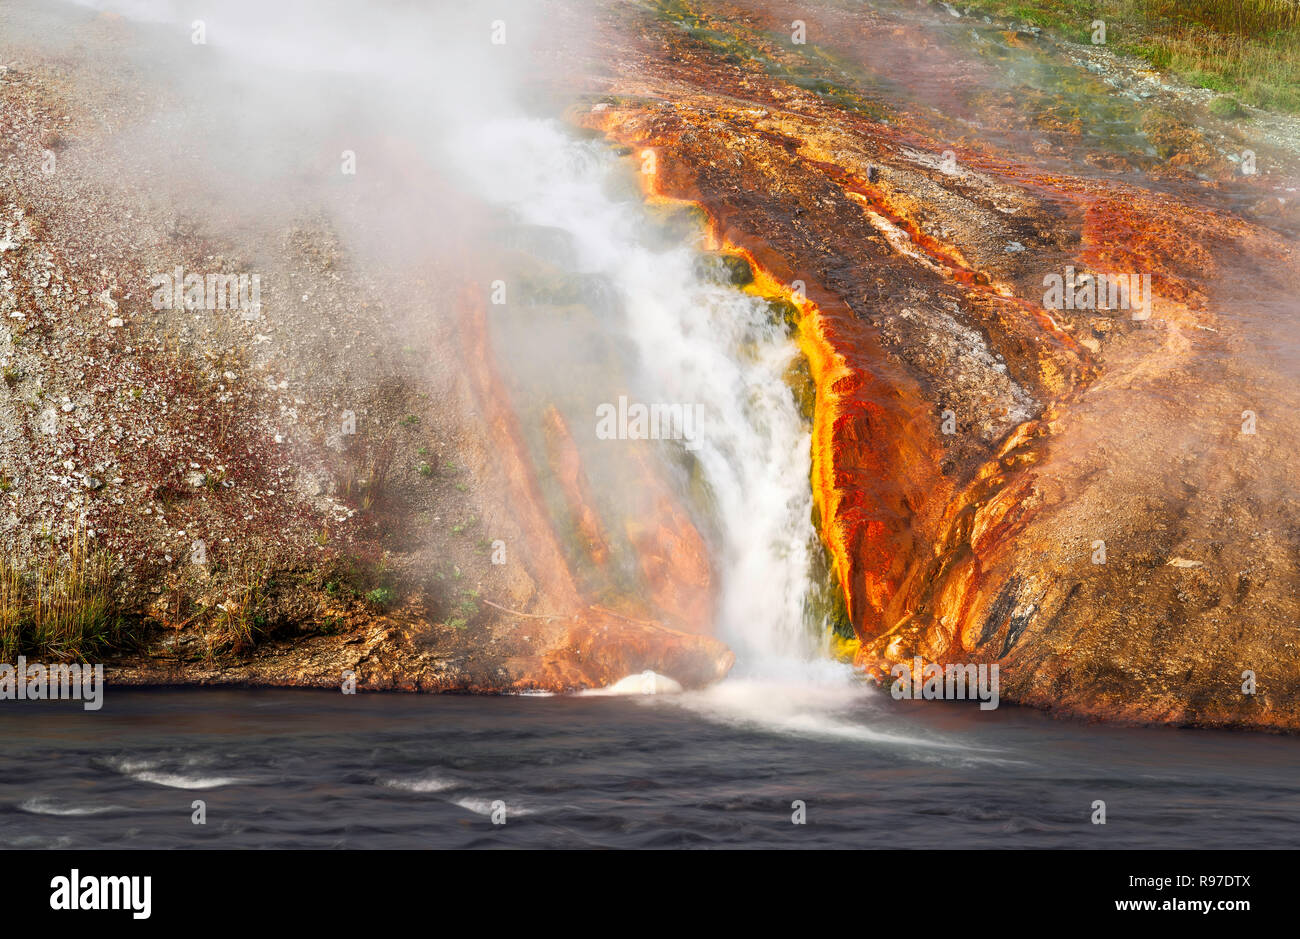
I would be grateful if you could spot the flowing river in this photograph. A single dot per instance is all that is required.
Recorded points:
(309, 769)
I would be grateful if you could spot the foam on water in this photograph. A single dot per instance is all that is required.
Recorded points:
(426, 783)
(159, 774)
(45, 806)
(485, 807)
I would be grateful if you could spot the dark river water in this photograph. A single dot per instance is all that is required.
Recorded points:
(309, 769)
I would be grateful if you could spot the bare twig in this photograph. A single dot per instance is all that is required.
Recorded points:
(506, 609)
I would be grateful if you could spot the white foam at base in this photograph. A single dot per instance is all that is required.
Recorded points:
(640, 683)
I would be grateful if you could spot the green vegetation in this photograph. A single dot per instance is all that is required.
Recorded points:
(466, 609)
(349, 578)
(1248, 49)
(1225, 106)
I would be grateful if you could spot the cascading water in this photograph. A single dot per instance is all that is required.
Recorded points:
(702, 342)
(698, 343)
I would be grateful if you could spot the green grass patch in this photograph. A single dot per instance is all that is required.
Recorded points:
(1247, 49)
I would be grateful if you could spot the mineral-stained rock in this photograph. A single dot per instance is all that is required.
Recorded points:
(1100, 500)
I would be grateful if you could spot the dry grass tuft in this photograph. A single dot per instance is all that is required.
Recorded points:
(62, 607)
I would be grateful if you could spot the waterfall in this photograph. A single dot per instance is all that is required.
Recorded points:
(698, 342)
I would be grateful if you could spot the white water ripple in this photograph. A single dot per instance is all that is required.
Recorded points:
(152, 771)
(43, 805)
(426, 783)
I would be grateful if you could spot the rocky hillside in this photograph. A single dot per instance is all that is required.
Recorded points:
(209, 494)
